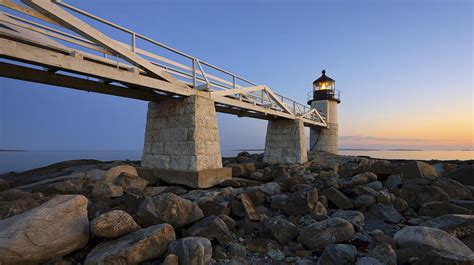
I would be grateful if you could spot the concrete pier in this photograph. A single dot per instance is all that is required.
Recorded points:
(285, 142)
(182, 142)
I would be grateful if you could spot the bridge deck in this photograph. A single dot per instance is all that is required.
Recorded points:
(65, 51)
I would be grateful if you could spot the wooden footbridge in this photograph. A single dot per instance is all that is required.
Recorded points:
(50, 42)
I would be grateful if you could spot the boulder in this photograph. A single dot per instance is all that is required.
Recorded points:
(434, 257)
(393, 182)
(355, 217)
(301, 202)
(113, 173)
(278, 202)
(171, 259)
(321, 234)
(417, 195)
(336, 254)
(400, 204)
(131, 183)
(417, 169)
(435, 209)
(368, 261)
(103, 190)
(11, 208)
(375, 185)
(14, 194)
(4, 185)
(113, 224)
(141, 245)
(419, 237)
(279, 229)
(337, 198)
(192, 250)
(384, 213)
(210, 208)
(463, 174)
(357, 180)
(53, 229)
(384, 253)
(271, 188)
(453, 188)
(211, 227)
(167, 208)
(237, 250)
(364, 201)
(458, 225)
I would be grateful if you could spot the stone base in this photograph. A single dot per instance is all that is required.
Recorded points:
(202, 179)
(285, 142)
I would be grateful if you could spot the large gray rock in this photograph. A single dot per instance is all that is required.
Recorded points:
(417, 195)
(453, 188)
(112, 175)
(434, 257)
(113, 224)
(417, 169)
(385, 213)
(192, 250)
(463, 174)
(458, 225)
(103, 190)
(364, 201)
(136, 247)
(422, 237)
(368, 261)
(321, 234)
(355, 217)
(338, 254)
(384, 253)
(356, 180)
(53, 229)
(211, 227)
(301, 202)
(131, 183)
(279, 229)
(435, 209)
(11, 208)
(393, 182)
(167, 208)
(338, 198)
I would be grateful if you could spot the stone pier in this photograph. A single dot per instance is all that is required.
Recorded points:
(182, 142)
(285, 142)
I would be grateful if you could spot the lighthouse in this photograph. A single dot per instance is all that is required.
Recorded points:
(325, 99)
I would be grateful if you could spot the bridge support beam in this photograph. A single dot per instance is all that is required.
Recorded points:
(285, 142)
(182, 142)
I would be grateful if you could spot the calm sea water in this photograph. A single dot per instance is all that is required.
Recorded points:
(26, 160)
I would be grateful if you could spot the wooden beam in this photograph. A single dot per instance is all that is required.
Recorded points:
(73, 23)
(277, 100)
(42, 57)
(49, 78)
(223, 93)
(27, 11)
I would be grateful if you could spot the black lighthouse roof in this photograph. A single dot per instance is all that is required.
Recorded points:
(323, 78)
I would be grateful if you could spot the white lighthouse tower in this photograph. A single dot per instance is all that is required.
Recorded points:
(325, 98)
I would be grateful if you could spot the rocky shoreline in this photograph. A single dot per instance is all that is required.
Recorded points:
(331, 210)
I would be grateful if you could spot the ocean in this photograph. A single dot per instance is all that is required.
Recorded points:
(18, 161)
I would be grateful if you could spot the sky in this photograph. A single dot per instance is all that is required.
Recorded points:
(404, 68)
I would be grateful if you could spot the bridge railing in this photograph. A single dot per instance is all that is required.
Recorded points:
(190, 70)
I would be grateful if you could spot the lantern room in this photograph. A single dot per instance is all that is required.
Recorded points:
(324, 88)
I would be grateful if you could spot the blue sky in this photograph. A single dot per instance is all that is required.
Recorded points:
(404, 68)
